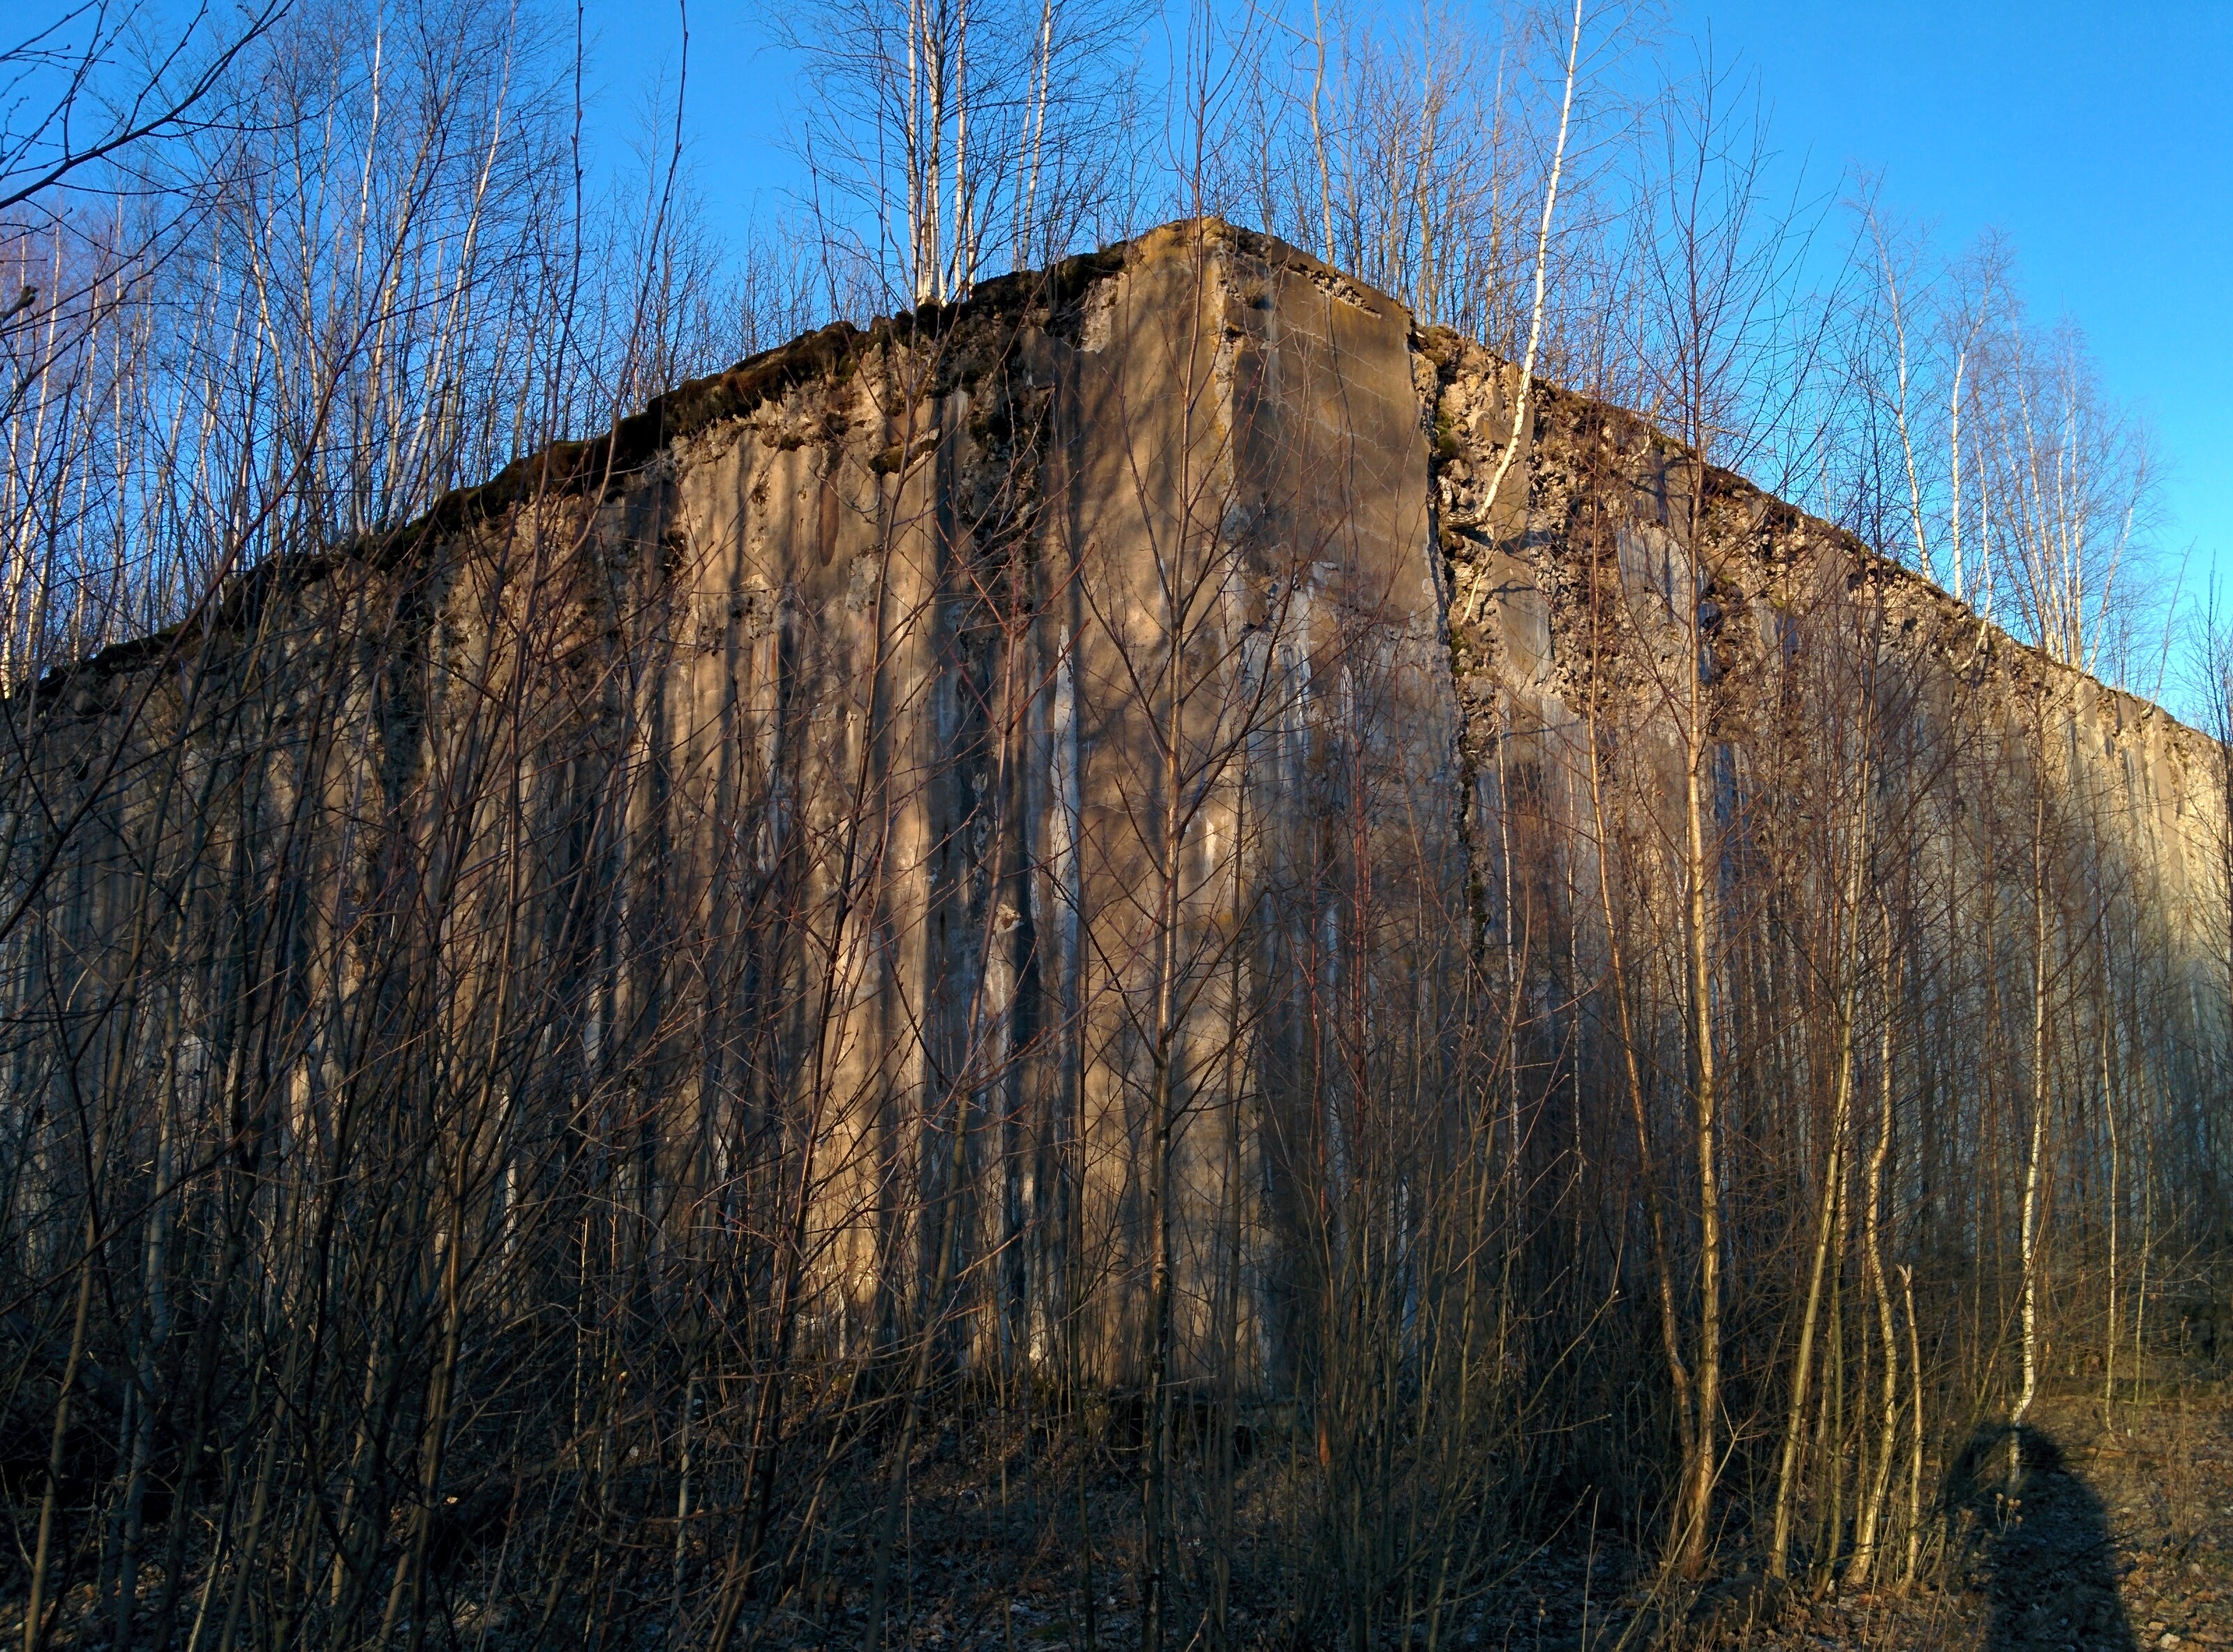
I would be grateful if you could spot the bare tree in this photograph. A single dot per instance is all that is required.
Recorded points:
(943, 135)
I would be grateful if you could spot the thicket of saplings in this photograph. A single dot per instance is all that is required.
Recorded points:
(1807, 1079)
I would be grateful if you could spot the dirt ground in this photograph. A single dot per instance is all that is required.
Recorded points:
(2117, 1536)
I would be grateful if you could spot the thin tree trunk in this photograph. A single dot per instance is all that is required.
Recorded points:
(1872, 1502)
(1519, 428)
(1915, 1458)
(2031, 1184)
(2109, 1352)
(1825, 1226)
(1695, 1511)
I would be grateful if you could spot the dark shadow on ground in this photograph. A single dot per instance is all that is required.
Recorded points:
(2037, 1545)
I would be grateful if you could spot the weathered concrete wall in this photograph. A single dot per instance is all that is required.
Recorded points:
(869, 792)
(875, 771)
(1895, 789)
(1575, 600)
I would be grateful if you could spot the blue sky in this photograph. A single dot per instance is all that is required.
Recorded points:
(2099, 136)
